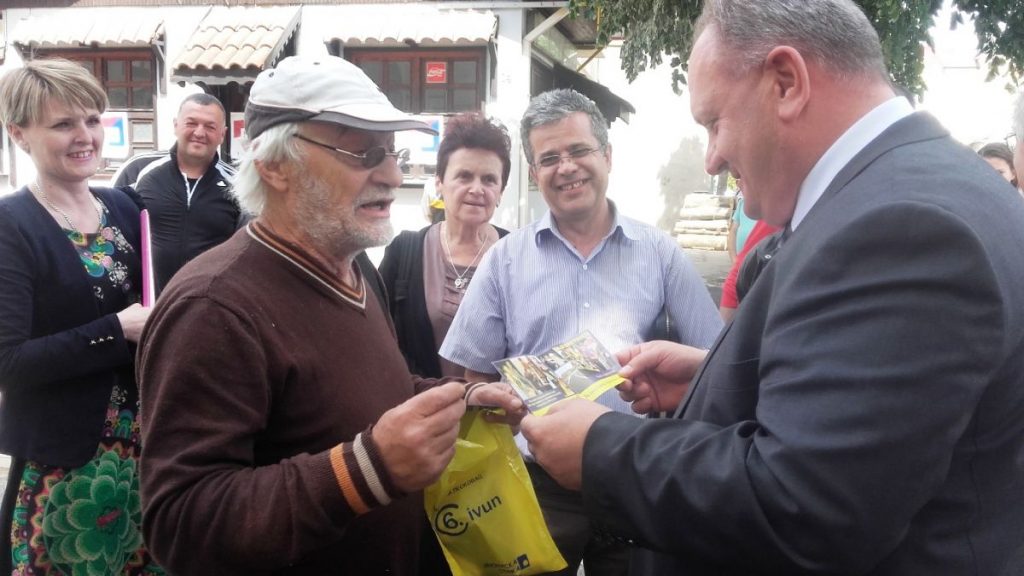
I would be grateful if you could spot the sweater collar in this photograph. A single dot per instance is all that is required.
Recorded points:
(310, 265)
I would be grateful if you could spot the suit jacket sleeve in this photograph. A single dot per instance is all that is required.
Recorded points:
(854, 409)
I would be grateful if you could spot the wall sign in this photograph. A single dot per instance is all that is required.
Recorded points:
(437, 73)
(239, 141)
(422, 146)
(115, 135)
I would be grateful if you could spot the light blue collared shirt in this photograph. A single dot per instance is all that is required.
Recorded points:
(855, 139)
(534, 290)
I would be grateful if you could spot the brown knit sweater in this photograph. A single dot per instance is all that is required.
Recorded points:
(260, 378)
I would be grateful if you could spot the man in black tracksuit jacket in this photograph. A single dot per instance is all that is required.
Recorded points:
(186, 190)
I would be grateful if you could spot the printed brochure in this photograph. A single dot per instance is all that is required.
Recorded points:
(580, 367)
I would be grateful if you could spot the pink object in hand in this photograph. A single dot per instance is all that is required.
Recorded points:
(148, 282)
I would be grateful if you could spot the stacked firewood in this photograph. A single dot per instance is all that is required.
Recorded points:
(704, 221)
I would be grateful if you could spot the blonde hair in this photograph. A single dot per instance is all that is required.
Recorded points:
(25, 92)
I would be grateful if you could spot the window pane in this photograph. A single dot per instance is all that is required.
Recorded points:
(89, 65)
(375, 70)
(464, 100)
(142, 97)
(142, 132)
(464, 72)
(401, 98)
(435, 100)
(115, 71)
(142, 70)
(398, 73)
(118, 97)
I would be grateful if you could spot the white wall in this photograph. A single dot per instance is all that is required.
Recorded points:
(644, 146)
(510, 97)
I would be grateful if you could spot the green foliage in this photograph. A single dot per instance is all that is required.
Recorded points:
(655, 29)
(999, 25)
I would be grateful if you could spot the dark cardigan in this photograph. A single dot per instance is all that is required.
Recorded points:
(59, 357)
(402, 270)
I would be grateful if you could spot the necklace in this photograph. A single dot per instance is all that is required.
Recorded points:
(71, 225)
(460, 279)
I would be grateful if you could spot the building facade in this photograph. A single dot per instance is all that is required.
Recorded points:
(432, 59)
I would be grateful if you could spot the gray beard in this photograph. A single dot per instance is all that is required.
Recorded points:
(340, 236)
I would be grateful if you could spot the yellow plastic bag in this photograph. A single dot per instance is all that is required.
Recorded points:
(483, 508)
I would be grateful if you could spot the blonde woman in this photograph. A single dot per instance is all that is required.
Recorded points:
(69, 321)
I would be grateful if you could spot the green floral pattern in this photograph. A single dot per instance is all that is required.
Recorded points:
(89, 517)
(86, 521)
(100, 253)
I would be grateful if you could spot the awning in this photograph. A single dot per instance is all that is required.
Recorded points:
(234, 44)
(71, 28)
(611, 105)
(405, 26)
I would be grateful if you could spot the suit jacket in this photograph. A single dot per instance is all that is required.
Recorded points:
(60, 356)
(864, 412)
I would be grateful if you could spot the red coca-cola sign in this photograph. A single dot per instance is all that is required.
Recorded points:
(437, 72)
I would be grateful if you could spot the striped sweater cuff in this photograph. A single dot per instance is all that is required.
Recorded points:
(361, 474)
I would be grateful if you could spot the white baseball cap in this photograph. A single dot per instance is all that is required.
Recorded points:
(325, 89)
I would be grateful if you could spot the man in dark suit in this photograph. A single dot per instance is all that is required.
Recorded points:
(864, 412)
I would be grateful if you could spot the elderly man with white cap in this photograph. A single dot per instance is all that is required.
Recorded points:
(283, 432)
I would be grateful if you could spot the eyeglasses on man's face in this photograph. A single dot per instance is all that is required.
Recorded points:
(369, 159)
(553, 160)
(1011, 140)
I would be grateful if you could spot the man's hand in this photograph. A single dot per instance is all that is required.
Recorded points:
(556, 439)
(416, 439)
(657, 374)
(497, 395)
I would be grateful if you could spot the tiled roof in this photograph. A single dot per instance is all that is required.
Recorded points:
(421, 25)
(72, 28)
(235, 42)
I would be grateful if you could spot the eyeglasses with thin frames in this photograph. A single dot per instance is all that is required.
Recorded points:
(1011, 140)
(553, 160)
(368, 160)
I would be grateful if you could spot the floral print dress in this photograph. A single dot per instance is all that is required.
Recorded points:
(88, 520)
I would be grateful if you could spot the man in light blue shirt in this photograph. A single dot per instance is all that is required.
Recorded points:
(582, 266)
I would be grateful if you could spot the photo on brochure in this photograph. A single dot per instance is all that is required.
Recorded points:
(580, 367)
